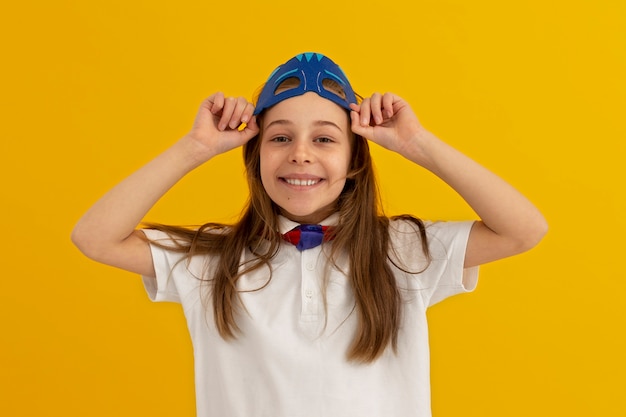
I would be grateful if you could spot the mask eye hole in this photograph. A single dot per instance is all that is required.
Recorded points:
(287, 84)
(333, 87)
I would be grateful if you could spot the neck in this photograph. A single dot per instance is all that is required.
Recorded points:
(313, 218)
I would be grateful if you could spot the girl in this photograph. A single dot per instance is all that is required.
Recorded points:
(330, 318)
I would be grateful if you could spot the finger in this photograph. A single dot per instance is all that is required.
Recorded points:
(216, 103)
(365, 112)
(237, 117)
(376, 108)
(387, 105)
(354, 120)
(250, 129)
(227, 112)
(246, 117)
(357, 126)
(248, 111)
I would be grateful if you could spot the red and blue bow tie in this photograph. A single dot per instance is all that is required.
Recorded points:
(307, 236)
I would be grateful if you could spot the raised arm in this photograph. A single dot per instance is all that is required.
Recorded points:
(509, 223)
(107, 231)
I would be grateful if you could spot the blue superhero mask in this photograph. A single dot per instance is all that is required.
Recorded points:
(311, 69)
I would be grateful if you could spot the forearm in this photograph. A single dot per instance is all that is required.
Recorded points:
(502, 209)
(114, 218)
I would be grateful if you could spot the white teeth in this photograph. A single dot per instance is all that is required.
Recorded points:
(301, 182)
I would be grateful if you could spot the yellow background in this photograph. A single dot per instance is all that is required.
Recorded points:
(535, 90)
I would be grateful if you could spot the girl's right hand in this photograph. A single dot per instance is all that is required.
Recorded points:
(222, 124)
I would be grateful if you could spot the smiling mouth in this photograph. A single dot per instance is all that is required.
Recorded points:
(301, 183)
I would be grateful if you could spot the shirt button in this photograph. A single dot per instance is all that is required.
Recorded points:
(310, 266)
(308, 293)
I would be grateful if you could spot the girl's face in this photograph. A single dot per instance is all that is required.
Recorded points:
(304, 156)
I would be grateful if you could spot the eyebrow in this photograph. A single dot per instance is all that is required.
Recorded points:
(282, 122)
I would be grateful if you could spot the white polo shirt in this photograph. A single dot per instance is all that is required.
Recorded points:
(290, 359)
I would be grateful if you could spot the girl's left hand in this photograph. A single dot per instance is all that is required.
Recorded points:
(387, 120)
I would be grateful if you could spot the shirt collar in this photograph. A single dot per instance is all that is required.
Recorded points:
(285, 225)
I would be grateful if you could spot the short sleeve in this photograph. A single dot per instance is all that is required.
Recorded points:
(444, 275)
(163, 287)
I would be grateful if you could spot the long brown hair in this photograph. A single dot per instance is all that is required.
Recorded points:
(362, 233)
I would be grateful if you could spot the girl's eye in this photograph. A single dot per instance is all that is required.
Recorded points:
(280, 139)
(324, 140)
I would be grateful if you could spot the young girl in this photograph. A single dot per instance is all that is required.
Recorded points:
(329, 319)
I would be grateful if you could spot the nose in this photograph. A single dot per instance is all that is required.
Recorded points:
(301, 152)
